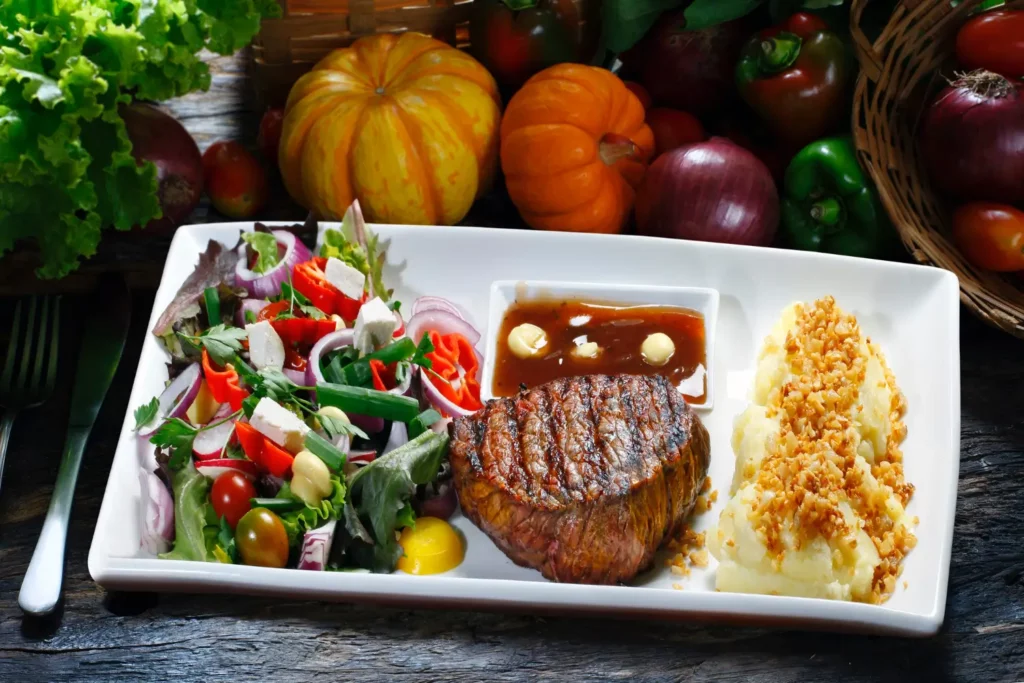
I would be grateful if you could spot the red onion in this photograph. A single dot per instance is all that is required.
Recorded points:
(399, 436)
(215, 468)
(262, 285)
(442, 322)
(158, 137)
(713, 191)
(157, 513)
(972, 139)
(297, 376)
(435, 303)
(176, 398)
(316, 546)
(254, 305)
(361, 457)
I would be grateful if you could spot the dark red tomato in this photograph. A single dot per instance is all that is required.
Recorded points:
(990, 235)
(230, 497)
(235, 181)
(261, 539)
(673, 128)
(993, 41)
(269, 136)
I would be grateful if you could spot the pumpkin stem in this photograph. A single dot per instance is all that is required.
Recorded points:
(613, 148)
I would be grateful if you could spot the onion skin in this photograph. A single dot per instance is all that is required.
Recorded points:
(713, 191)
(158, 137)
(972, 139)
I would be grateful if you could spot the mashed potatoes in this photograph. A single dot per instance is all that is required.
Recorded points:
(818, 496)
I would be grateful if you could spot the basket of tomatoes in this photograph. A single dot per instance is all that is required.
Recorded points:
(939, 124)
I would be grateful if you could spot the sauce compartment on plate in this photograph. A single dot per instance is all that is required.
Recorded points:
(546, 338)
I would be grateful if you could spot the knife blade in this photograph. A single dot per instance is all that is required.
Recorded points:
(106, 329)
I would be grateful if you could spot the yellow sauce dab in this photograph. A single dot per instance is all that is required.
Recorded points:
(431, 547)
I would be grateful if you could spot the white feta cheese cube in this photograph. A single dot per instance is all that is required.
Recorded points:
(279, 424)
(266, 350)
(374, 327)
(347, 279)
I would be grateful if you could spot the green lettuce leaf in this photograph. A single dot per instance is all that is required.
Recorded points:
(66, 66)
(191, 491)
(298, 522)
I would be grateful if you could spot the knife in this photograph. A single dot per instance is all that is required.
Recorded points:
(106, 328)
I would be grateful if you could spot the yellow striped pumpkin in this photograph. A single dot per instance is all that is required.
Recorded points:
(404, 123)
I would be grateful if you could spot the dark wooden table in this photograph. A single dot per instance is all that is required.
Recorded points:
(215, 637)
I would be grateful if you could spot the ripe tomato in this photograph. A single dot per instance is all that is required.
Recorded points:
(269, 137)
(261, 539)
(673, 128)
(993, 41)
(990, 235)
(235, 181)
(230, 496)
(640, 92)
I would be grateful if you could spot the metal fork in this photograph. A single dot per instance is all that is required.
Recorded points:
(30, 367)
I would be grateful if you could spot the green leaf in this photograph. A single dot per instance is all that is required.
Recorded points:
(66, 69)
(265, 246)
(146, 413)
(336, 245)
(422, 349)
(226, 541)
(176, 435)
(222, 342)
(822, 4)
(627, 21)
(377, 262)
(191, 491)
(385, 487)
(335, 426)
(704, 13)
(276, 384)
(308, 517)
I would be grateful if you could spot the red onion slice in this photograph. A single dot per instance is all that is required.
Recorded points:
(363, 457)
(442, 322)
(436, 303)
(254, 305)
(262, 285)
(316, 546)
(157, 513)
(176, 398)
(297, 376)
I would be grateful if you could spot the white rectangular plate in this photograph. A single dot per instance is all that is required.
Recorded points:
(911, 311)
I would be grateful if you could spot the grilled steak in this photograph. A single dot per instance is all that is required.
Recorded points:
(583, 477)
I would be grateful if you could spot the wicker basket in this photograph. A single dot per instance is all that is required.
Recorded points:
(288, 47)
(900, 73)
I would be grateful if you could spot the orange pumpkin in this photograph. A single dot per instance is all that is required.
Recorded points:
(405, 124)
(574, 146)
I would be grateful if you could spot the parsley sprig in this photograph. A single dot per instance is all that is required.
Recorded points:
(222, 342)
(177, 436)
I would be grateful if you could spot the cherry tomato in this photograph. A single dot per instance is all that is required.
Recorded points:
(269, 136)
(673, 128)
(230, 496)
(993, 41)
(640, 92)
(990, 235)
(235, 181)
(261, 539)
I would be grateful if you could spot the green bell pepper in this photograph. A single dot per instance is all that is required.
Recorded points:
(830, 205)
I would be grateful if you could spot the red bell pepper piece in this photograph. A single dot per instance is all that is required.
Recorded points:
(302, 331)
(265, 453)
(251, 441)
(383, 376)
(452, 351)
(223, 383)
(276, 460)
(310, 280)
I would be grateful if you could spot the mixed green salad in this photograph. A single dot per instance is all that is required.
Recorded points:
(304, 423)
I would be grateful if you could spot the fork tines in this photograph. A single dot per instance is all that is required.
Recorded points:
(30, 366)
